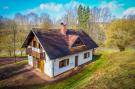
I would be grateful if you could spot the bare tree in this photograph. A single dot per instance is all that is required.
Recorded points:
(46, 21)
(12, 26)
(99, 19)
(71, 16)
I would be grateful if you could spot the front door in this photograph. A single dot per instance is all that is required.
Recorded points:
(42, 65)
(76, 60)
(38, 63)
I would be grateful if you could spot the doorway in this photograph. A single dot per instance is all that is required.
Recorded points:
(41, 65)
(76, 61)
(38, 63)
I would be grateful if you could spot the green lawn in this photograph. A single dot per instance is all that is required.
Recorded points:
(110, 70)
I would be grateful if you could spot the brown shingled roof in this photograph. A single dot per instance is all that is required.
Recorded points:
(57, 45)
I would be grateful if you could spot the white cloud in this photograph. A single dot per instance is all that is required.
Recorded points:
(54, 8)
(130, 11)
(73, 4)
(113, 5)
(43, 7)
(51, 6)
(5, 7)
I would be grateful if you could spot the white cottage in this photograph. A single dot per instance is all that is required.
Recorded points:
(58, 50)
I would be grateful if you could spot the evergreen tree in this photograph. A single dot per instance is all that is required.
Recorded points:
(83, 17)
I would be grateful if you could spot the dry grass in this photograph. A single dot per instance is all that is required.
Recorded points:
(117, 73)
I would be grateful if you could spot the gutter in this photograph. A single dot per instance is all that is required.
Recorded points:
(53, 68)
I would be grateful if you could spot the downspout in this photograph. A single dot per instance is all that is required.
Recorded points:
(93, 53)
(53, 68)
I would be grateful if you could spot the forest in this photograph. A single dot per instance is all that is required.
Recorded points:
(103, 27)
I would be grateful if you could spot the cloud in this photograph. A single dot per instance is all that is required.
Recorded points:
(5, 7)
(73, 4)
(113, 5)
(51, 6)
(54, 6)
(130, 11)
(46, 7)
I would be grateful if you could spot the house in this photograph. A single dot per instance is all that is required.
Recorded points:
(57, 51)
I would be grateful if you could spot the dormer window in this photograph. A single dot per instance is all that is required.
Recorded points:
(78, 42)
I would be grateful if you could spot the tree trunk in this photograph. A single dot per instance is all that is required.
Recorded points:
(21, 52)
(14, 33)
(10, 53)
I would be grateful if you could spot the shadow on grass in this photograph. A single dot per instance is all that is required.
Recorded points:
(96, 57)
(11, 70)
(32, 86)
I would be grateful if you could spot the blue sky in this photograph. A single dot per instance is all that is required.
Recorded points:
(56, 8)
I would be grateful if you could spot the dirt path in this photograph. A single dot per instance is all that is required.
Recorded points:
(19, 76)
(7, 60)
(23, 76)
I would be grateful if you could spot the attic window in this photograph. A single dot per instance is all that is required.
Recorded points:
(34, 43)
(63, 63)
(78, 42)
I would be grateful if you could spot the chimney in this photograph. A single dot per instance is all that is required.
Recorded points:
(63, 28)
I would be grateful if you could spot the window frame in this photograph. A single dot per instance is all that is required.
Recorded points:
(34, 44)
(64, 63)
(86, 55)
(78, 43)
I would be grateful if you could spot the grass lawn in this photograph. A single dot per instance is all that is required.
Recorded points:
(115, 70)
(117, 73)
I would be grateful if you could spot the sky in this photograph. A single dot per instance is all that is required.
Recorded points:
(56, 8)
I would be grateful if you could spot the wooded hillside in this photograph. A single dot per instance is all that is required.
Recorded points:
(105, 30)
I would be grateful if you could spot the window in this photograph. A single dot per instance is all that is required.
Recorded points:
(63, 63)
(78, 42)
(86, 55)
(39, 46)
(34, 43)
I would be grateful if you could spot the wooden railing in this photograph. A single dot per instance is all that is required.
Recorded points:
(38, 55)
(78, 49)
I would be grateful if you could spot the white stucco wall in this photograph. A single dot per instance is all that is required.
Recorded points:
(58, 70)
(30, 60)
(48, 66)
(71, 65)
(81, 59)
(51, 67)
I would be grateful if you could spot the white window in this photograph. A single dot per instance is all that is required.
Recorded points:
(86, 55)
(63, 63)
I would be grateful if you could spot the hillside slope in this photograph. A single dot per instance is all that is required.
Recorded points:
(117, 73)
